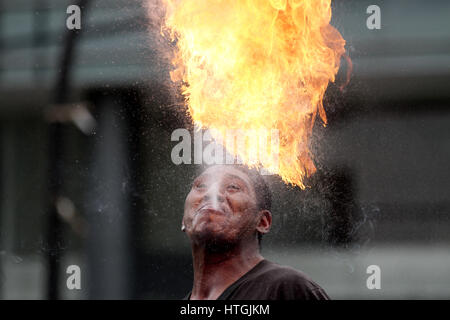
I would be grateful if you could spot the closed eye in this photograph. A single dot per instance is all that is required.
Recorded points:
(234, 187)
(200, 186)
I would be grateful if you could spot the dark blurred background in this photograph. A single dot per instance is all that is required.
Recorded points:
(86, 119)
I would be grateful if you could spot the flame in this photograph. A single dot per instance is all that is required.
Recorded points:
(257, 64)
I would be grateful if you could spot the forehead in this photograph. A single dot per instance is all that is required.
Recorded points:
(227, 171)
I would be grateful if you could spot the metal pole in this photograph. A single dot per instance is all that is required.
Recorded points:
(56, 144)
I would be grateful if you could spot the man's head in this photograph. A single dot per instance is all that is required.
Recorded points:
(227, 205)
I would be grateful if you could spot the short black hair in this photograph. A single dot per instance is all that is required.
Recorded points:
(262, 190)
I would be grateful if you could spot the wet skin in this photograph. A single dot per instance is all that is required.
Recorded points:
(222, 220)
(221, 207)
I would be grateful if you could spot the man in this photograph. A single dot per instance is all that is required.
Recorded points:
(225, 215)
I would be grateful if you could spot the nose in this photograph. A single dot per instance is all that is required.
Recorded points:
(214, 194)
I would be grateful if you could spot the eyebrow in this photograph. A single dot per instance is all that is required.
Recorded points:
(202, 176)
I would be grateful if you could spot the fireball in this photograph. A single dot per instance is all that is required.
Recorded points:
(257, 65)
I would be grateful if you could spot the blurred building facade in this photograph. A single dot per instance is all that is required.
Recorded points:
(87, 177)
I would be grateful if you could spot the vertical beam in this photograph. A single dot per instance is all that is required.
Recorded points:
(110, 254)
(56, 144)
(7, 205)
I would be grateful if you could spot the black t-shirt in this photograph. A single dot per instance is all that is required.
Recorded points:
(270, 281)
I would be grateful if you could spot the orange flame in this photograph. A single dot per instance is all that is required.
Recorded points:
(257, 64)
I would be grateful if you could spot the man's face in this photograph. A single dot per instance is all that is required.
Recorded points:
(221, 207)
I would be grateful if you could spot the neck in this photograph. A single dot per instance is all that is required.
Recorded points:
(214, 272)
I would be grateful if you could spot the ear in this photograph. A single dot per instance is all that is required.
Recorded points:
(264, 222)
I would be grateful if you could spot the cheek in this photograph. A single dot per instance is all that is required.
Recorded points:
(243, 212)
(192, 200)
(188, 201)
(189, 204)
(241, 203)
